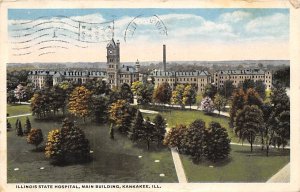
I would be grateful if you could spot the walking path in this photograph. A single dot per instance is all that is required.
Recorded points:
(22, 115)
(178, 166)
(148, 111)
(282, 176)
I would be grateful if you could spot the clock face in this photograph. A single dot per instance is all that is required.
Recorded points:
(110, 51)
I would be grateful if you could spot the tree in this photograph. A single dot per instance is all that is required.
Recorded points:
(210, 90)
(189, 95)
(143, 92)
(67, 145)
(53, 149)
(248, 123)
(260, 88)
(282, 76)
(112, 131)
(219, 102)
(57, 99)
(35, 137)
(194, 142)
(177, 96)
(148, 132)
(17, 124)
(11, 96)
(19, 129)
(247, 84)
(75, 146)
(40, 103)
(79, 101)
(207, 105)
(126, 93)
(159, 128)
(20, 92)
(218, 143)
(227, 89)
(121, 113)
(99, 107)
(137, 127)
(8, 125)
(279, 119)
(175, 137)
(238, 102)
(163, 93)
(253, 98)
(27, 126)
(97, 86)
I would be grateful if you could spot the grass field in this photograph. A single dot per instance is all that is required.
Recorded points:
(188, 116)
(17, 109)
(113, 160)
(242, 166)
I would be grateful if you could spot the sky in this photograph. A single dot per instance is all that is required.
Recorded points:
(81, 35)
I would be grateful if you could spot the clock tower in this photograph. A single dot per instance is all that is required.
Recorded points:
(113, 62)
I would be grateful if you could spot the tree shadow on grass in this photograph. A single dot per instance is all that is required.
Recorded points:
(218, 163)
(261, 153)
(39, 149)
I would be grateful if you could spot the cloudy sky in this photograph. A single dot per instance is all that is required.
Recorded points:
(73, 35)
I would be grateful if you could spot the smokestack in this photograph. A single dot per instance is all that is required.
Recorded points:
(164, 58)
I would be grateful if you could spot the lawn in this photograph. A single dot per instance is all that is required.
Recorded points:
(242, 166)
(17, 109)
(113, 160)
(176, 116)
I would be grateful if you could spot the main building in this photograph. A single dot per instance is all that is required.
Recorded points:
(116, 74)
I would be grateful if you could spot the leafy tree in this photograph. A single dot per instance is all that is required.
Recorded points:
(27, 126)
(177, 95)
(126, 93)
(282, 76)
(121, 114)
(227, 89)
(19, 129)
(99, 107)
(14, 78)
(53, 149)
(248, 123)
(137, 127)
(147, 133)
(20, 92)
(40, 103)
(79, 101)
(238, 102)
(75, 146)
(175, 137)
(159, 128)
(67, 86)
(219, 102)
(58, 99)
(68, 145)
(210, 90)
(97, 86)
(17, 124)
(143, 92)
(279, 120)
(218, 143)
(207, 105)
(253, 98)
(163, 93)
(189, 95)
(194, 142)
(35, 137)
(247, 84)
(11, 97)
(260, 88)
(114, 95)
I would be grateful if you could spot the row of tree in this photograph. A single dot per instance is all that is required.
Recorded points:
(200, 142)
(254, 119)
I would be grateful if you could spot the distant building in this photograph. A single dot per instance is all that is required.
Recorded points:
(239, 76)
(115, 74)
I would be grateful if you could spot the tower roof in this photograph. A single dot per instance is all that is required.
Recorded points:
(111, 43)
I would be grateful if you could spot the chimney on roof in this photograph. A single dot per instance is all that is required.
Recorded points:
(164, 58)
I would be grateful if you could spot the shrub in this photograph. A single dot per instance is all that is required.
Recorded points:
(35, 137)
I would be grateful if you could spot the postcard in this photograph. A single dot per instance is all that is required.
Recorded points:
(161, 96)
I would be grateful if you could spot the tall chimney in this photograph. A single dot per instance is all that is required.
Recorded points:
(164, 58)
